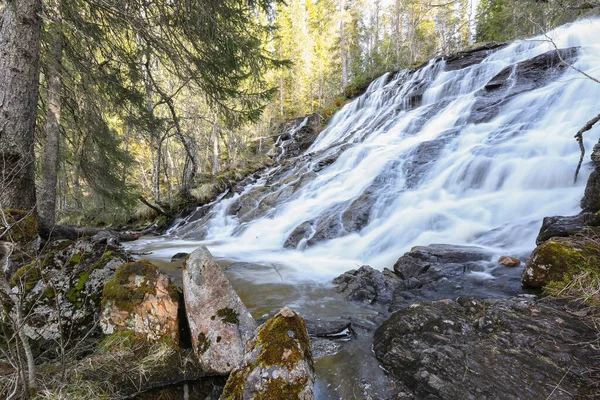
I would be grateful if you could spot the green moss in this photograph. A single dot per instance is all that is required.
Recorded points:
(566, 259)
(284, 341)
(24, 225)
(74, 294)
(228, 315)
(122, 291)
(275, 389)
(203, 343)
(234, 388)
(28, 275)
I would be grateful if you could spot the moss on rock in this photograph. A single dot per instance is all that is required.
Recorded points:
(284, 341)
(123, 291)
(558, 260)
(24, 225)
(278, 363)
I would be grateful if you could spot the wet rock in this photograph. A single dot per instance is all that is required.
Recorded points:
(476, 349)
(421, 158)
(420, 259)
(591, 198)
(367, 285)
(302, 232)
(437, 272)
(513, 80)
(143, 300)
(559, 259)
(329, 327)
(278, 362)
(466, 58)
(510, 262)
(324, 347)
(219, 322)
(179, 256)
(357, 214)
(584, 224)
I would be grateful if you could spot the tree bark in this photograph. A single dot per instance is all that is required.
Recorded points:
(343, 44)
(216, 167)
(47, 196)
(19, 73)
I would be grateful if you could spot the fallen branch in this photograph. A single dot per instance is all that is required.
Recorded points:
(152, 206)
(579, 137)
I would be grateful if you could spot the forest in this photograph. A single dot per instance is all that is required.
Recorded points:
(436, 146)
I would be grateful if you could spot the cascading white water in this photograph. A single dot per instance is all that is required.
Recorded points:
(490, 185)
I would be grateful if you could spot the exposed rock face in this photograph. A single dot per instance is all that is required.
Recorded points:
(305, 136)
(591, 197)
(525, 76)
(587, 224)
(495, 349)
(466, 58)
(219, 322)
(510, 262)
(560, 258)
(367, 285)
(142, 300)
(72, 275)
(278, 363)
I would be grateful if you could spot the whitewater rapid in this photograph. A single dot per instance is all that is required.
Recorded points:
(491, 185)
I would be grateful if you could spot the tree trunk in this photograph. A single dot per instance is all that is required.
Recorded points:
(216, 167)
(19, 73)
(47, 196)
(343, 44)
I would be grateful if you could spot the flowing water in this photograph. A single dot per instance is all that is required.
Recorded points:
(429, 170)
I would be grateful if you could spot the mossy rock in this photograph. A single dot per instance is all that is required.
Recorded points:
(278, 364)
(75, 293)
(25, 225)
(123, 291)
(558, 260)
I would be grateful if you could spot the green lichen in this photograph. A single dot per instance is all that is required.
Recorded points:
(275, 389)
(121, 289)
(228, 315)
(74, 295)
(203, 343)
(284, 341)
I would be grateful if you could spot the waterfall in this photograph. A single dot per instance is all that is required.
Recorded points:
(476, 155)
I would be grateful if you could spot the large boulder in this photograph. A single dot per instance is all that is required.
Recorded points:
(367, 285)
(278, 363)
(559, 259)
(219, 322)
(440, 271)
(143, 300)
(62, 291)
(488, 349)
